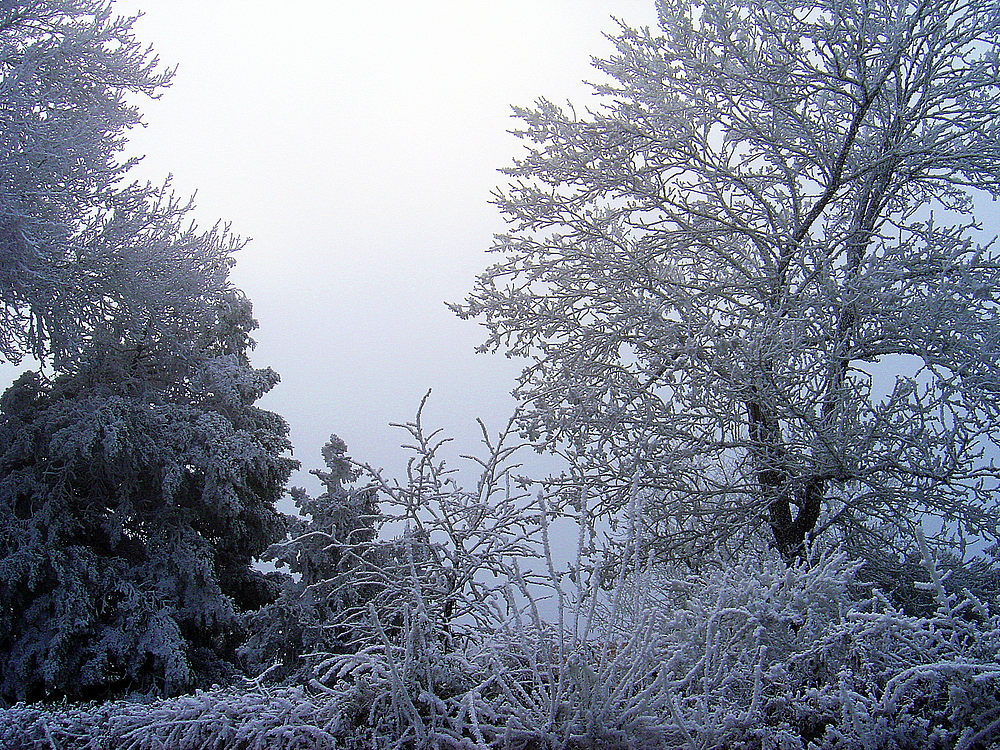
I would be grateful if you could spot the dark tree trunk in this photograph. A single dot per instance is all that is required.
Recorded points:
(780, 488)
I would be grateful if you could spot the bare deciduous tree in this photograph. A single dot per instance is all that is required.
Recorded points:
(711, 273)
(80, 247)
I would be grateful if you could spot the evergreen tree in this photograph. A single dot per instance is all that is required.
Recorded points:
(138, 482)
(330, 543)
(136, 488)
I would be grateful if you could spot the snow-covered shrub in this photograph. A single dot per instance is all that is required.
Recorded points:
(754, 652)
(613, 649)
(898, 569)
(445, 546)
(248, 718)
(486, 632)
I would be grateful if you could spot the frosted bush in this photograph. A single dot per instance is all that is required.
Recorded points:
(248, 718)
(483, 635)
(747, 651)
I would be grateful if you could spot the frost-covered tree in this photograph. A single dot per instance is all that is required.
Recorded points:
(328, 545)
(136, 488)
(138, 481)
(713, 273)
(71, 72)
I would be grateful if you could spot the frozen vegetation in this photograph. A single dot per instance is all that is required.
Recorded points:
(440, 639)
(742, 650)
(707, 275)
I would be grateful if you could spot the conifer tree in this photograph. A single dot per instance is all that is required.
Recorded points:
(138, 480)
(330, 545)
(136, 489)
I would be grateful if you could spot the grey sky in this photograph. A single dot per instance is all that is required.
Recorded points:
(357, 144)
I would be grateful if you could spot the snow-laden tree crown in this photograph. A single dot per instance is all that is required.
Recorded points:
(79, 245)
(713, 272)
(138, 481)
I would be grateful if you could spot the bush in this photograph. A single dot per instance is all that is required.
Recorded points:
(481, 635)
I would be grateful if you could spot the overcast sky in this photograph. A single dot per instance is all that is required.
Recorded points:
(357, 143)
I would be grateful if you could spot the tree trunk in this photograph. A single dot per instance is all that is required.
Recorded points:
(780, 488)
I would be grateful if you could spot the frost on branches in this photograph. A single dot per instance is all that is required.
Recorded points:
(482, 635)
(329, 545)
(136, 488)
(137, 481)
(773, 205)
(505, 640)
(78, 244)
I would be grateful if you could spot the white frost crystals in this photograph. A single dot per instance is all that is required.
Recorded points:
(747, 651)
(765, 199)
(80, 248)
(705, 274)
(120, 568)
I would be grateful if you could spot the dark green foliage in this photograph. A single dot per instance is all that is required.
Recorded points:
(329, 544)
(136, 488)
(903, 580)
(138, 481)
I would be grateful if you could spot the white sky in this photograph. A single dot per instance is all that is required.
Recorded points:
(357, 144)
